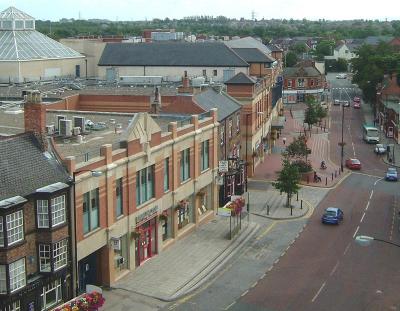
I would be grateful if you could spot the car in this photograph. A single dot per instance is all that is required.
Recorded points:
(356, 105)
(332, 215)
(353, 164)
(357, 99)
(346, 103)
(336, 102)
(391, 174)
(380, 149)
(341, 76)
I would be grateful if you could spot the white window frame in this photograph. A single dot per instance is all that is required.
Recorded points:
(289, 83)
(14, 306)
(15, 227)
(1, 232)
(44, 258)
(52, 286)
(42, 213)
(185, 165)
(3, 279)
(58, 210)
(230, 128)
(60, 254)
(17, 274)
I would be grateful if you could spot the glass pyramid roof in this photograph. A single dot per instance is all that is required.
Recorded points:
(19, 41)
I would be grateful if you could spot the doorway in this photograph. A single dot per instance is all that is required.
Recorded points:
(146, 244)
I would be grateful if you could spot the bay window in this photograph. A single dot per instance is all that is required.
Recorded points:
(53, 214)
(60, 254)
(17, 275)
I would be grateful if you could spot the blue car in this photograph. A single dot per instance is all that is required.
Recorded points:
(332, 215)
(391, 174)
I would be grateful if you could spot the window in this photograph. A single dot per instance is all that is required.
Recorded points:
(185, 164)
(300, 82)
(90, 210)
(14, 306)
(238, 122)
(3, 279)
(42, 213)
(15, 227)
(60, 254)
(57, 210)
(311, 82)
(204, 73)
(230, 125)
(17, 274)
(1, 233)
(51, 294)
(289, 83)
(267, 65)
(144, 185)
(118, 195)
(44, 258)
(205, 145)
(19, 24)
(222, 135)
(215, 73)
(166, 174)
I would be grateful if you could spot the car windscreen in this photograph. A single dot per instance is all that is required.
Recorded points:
(330, 213)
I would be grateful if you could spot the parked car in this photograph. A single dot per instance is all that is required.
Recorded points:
(356, 105)
(380, 149)
(341, 76)
(391, 174)
(332, 215)
(346, 103)
(336, 102)
(353, 164)
(357, 99)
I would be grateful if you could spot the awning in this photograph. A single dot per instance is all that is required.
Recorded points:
(278, 122)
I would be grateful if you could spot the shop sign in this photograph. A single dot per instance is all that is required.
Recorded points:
(223, 166)
(116, 244)
(224, 212)
(143, 217)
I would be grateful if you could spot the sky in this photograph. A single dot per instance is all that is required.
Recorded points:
(132, 10)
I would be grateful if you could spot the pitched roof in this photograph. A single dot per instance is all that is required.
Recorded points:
(301, 72)
(248, 42)
(225, 104)
(241, 78)
(274, 47)
(212, 54)
(24, 167)
(375, 40)
(13, 13)
(253, 55)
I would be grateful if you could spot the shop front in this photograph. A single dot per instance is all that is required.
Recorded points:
(145, 235)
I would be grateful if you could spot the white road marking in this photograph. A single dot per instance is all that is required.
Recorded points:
(362, 217)
(347, 248)
(334, 269)
(230, 305)
(377, 181)
(366, 208)
(354, 150)
(372, 192)
(354, 235)
(244, 293)
(320, 289)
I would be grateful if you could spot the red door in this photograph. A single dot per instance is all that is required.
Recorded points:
(144, 244)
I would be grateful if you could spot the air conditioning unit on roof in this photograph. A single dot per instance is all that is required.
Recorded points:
(65, 128)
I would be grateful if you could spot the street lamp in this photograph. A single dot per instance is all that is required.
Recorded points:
(342, 142)
(364, 240)
(75, 257)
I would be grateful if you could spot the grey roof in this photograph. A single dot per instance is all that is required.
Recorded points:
(24, 167)
(301, 72)
(225, 104)
(248, 42)
(241, 78)
(375, 40)
(31, 45)
(253, 55)
(274, 48)
(13, 13)
(213, 54)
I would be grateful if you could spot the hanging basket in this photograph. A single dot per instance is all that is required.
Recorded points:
(163, 217)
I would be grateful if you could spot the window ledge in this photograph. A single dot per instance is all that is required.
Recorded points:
(145, 203)
(86, 235)
(186, 181)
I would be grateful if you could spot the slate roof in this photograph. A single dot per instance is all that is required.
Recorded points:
(253, 55)
(225, 104)
(274, 48)
(248, 42)
(375, 40)
(24, 167)
(241, 78)
(301, 72)
(212, 54)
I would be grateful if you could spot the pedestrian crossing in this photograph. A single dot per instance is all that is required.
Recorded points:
(319, 147)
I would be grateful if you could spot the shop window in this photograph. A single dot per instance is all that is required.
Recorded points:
(17, 276)
(3, 279)
(90, 210)
(44, 258)
(1, 233)
(60, 254)
(15, 227)
(144, 185)
(118, 198)
(204, 158)
(203, 203)
(183, 214)
(51, 294)
(185, 164)
(166, 174)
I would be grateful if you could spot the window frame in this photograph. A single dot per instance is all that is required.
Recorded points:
(62, 253)
(2, 235)
(119, 198)
(166, 174)
(205, 156)
(42, 213)
(54, 212)
(145, 185)
(22, 226)
(215, 73)
(3, 279)
(12, 290)
(56, 286)
(88, 198)
(238, 123)
(185, 165)
(48, 258)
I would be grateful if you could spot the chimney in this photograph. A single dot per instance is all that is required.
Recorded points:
(35, 115)
(185, 87)
(185, 80)
(156, 103)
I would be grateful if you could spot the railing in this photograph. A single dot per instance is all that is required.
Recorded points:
(87, 156)
(184, 122)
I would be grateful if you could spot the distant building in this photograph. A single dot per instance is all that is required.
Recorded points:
(28, 55)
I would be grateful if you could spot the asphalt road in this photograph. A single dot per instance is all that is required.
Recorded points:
(325, 269)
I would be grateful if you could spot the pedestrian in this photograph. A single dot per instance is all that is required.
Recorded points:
(284, 140)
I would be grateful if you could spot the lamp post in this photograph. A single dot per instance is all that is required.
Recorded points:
(342, 142)
(364, 240)
(75, 278)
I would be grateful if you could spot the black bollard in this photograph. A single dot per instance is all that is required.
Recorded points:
(301, 204)
(326, 181)
(297, 196)
(267, 209)
(332, 176)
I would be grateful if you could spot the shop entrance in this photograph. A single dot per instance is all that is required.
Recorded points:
(147, 241)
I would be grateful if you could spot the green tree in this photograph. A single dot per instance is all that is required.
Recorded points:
(297, 149)
(320, 112)
(299, 48)
(310, 116)
(324, 48)
(288, 180)
(341, 64)
(291, 59)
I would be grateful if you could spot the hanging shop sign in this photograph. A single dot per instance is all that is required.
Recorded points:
(223, 166)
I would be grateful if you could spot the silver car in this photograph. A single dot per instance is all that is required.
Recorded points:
(380, 149)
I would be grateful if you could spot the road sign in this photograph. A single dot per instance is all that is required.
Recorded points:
(223, 166)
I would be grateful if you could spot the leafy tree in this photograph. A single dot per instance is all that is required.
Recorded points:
(288, 179)
(320, 112)
(299, 48)
(297, 149)
(324, 48)
(310, 116)
(291, 59)
(341, 64)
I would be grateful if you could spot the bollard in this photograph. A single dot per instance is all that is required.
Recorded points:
(297, 196)
(301, 204)
(267, 209)
(326, 181)
(335, 174)
(291, 210)
(332, 176)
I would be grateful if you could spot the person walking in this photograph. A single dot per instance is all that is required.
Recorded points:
(284, 140)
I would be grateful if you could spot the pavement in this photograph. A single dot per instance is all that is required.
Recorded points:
(196, 259)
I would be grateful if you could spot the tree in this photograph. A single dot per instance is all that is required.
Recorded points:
(320, 112)
(297, 149)
(324, 48)
(291, 59)
(310, 116)
(288, 179)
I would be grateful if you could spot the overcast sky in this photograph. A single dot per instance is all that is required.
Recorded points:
(131, 10)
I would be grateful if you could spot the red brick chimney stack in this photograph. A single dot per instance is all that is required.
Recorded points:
(185, 81)
(34, 113)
